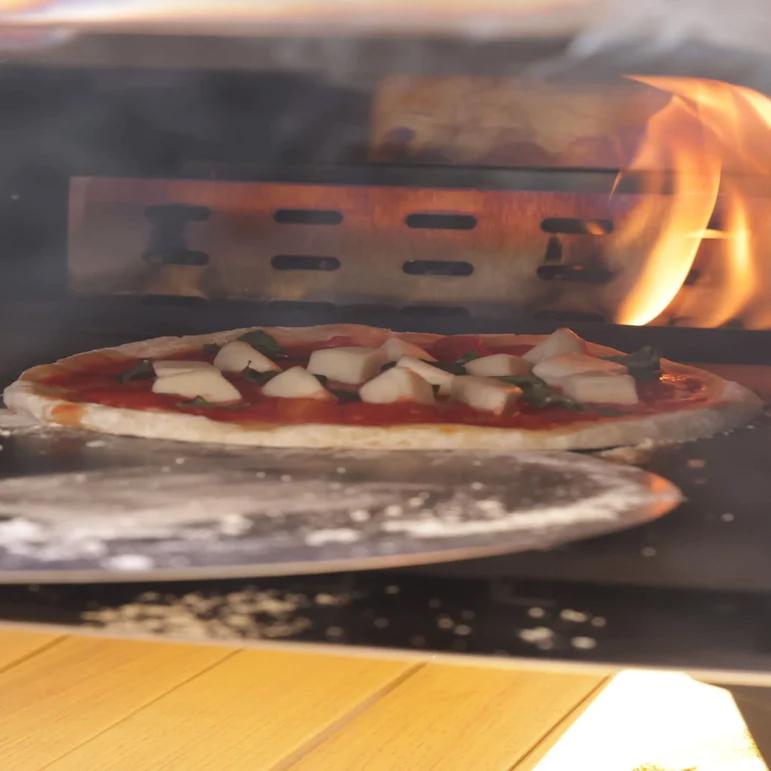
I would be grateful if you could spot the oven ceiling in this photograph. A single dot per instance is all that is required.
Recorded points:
(488, 18)
(348, 39)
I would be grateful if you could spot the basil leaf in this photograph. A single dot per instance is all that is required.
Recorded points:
(644, 364)
(450, 366)
(141, 369)
(524, 381)
(262, 342)
(539, 394)
(344, 396)
(341, 394)
(200, 402)
(260, 378)
(457, 367)
(552, 399)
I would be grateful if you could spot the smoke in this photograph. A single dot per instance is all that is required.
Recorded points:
(664, 27)
(352, 41)
(700, 38)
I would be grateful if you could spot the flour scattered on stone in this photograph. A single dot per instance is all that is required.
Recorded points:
(574, 616)
(360, 515)
(17, 531)
(247, 614)
(583, 643)
(339, 535)
(324, 598)
(128, 562)
(536, 635)
(235, 524)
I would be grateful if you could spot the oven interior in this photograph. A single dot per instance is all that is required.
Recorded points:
(415, 184)
(169, 185)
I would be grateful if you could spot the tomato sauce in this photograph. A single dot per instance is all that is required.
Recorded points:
(98, 382)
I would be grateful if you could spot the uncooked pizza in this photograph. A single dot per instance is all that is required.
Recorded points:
(361, 386)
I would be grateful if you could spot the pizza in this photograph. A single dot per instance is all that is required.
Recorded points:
(365, 387)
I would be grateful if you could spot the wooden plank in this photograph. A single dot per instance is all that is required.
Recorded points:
(17, 644)
(452, 717)
(62, 697)
(536, 754)
(250, 711)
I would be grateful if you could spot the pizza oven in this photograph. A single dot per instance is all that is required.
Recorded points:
(396, 173)
(428, 167)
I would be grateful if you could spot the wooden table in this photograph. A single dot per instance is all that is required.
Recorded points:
(81, 702)
(90, 702)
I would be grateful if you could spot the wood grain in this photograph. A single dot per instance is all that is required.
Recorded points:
(530, 761)
(447, 717)
(75, 703)
(250, 712)
(17, 644)
(62, 697)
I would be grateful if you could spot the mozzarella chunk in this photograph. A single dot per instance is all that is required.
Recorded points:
(484, 394)
(498, 365)
(601, 388)
(295, 383)
(395, 348)
(430, 373)
(208, 383)
(351, 364)
(556, 344)
(237, 355)
(397, 385)
(556, 369)
(176, 367)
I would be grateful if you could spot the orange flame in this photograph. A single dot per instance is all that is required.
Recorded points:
(707, 135)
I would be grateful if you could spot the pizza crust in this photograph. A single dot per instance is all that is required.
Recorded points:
(729, 405)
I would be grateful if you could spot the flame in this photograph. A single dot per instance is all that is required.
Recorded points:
(737, 275)
(698, 156)
(674, 140)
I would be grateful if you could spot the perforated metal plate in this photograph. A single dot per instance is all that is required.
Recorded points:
(427, 249)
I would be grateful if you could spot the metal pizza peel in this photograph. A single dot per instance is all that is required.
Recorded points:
(82, 507)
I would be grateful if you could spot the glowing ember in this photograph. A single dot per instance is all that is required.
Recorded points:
(699, 156)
